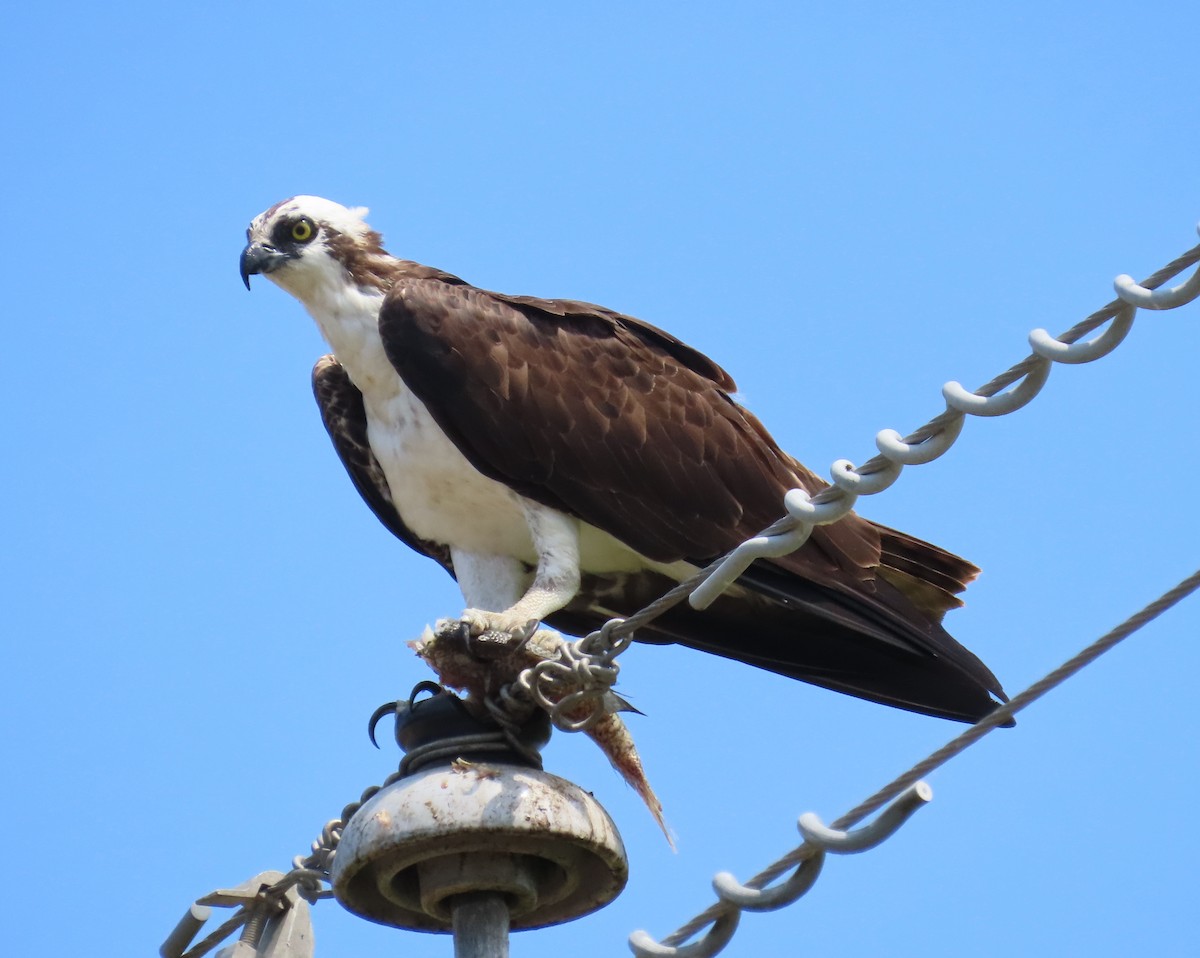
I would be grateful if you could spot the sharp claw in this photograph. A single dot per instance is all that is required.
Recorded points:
(489, 645)
(377, 715)
(525, 633)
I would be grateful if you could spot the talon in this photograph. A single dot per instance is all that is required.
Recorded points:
(489, 645)
(475, 623)
(496, 628)
(377, 715)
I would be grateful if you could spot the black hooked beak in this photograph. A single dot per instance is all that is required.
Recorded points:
(258, 258)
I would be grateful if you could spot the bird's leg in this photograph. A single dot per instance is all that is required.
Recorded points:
(493, 584)
(499, 635)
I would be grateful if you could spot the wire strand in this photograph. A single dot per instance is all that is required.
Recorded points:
(955, 746)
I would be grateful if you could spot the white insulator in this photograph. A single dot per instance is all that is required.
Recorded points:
(739, 560)
(820, 839)
(892, 444)
(730, 890)
(542, 842)
(1057, 351)
(716, 938)
(800, 506)
(854, 483)
(861, 839)
(1137, 295)
(957, 397)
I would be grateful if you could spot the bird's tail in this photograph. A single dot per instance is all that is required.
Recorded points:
(929, 576)
(879, 639)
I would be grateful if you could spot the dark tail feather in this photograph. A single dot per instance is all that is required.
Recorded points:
(874, 644)
(929, 576)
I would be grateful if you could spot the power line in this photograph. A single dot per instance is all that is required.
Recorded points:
(573, 689)
(723, 915)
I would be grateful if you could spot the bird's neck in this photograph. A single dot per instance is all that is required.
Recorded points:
(345, 298)
(348, 317)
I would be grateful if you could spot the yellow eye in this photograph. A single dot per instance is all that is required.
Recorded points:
(302, 231)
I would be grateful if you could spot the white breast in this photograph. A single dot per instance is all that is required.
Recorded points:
(439, 494)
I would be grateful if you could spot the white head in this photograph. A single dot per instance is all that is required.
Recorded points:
(312, 246)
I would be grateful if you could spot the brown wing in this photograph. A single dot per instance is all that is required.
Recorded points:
(605, 417)
(345, 419)
(620, 424)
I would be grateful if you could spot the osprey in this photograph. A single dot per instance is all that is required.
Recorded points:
(569, 464)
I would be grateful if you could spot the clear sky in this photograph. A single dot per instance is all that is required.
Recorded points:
(845, 207)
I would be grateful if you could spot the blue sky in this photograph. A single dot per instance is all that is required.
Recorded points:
(845, 208)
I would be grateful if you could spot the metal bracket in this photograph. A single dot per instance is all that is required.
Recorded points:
(274, 921)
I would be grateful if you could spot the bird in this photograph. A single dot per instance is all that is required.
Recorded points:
(568, 464)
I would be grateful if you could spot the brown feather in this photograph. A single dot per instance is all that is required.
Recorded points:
(620, 424)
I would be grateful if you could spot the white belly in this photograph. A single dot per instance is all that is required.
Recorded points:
(438, 493)
(443, 498)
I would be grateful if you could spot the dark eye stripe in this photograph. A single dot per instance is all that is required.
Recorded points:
(284, 233)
